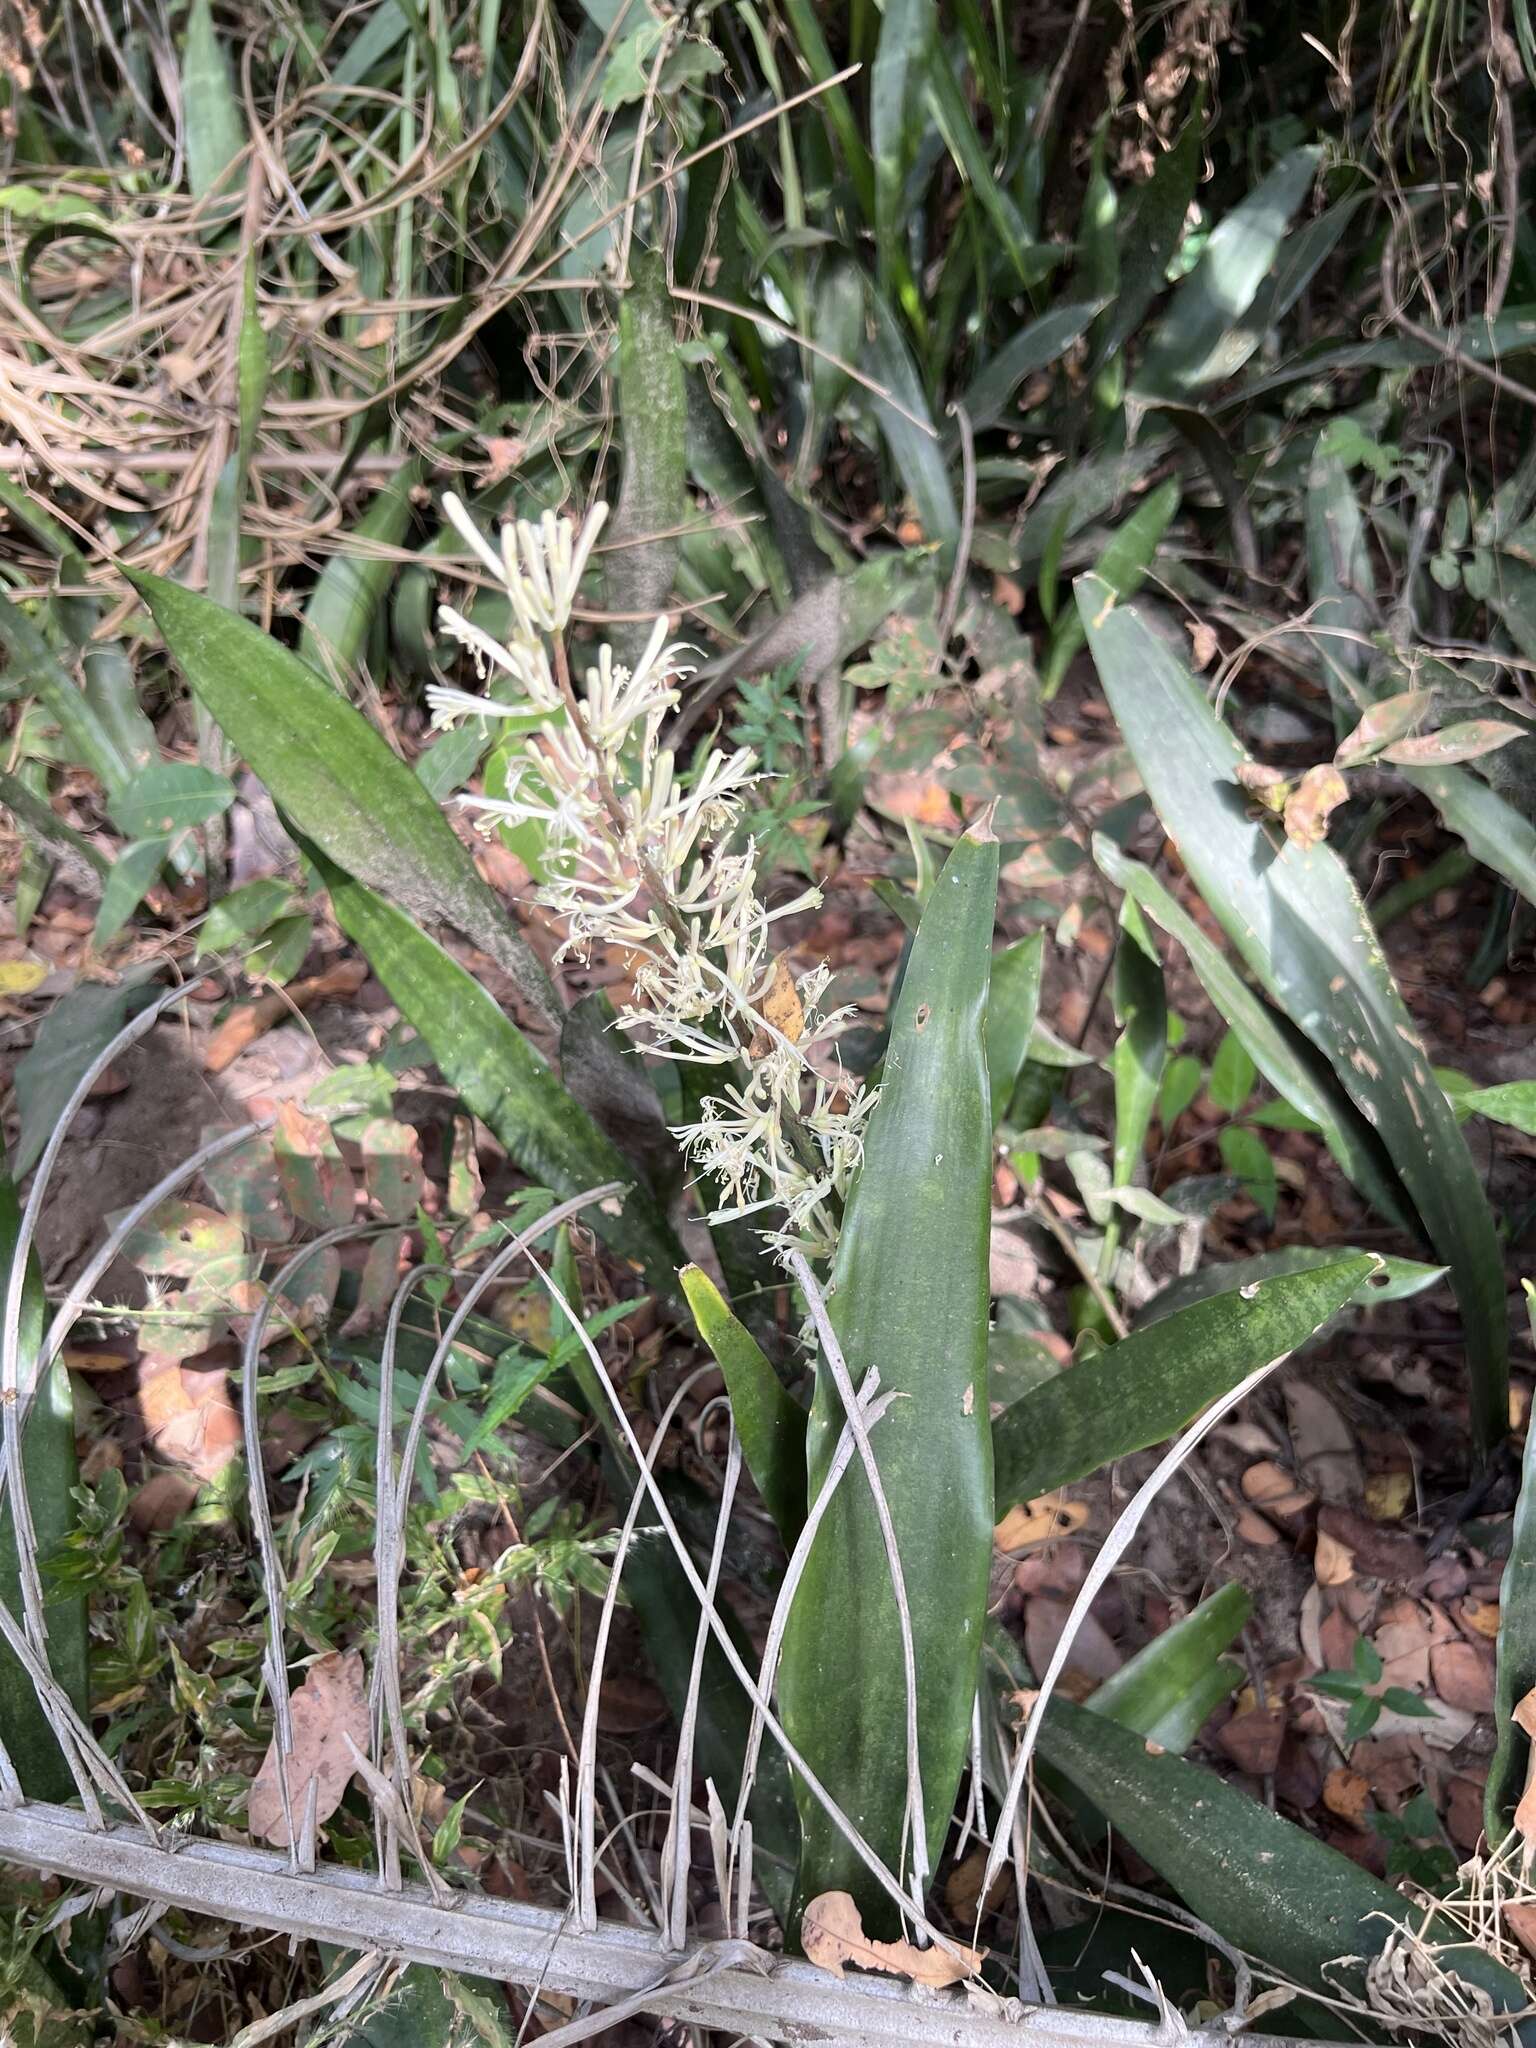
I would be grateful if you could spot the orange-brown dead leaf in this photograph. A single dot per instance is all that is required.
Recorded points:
(329, 1706)
(1037, 1521)
(832, 1935)
(1520, 1919)
(1312, 802)
(189, 1416)
(782, 1009)
(1347, 1794)
(1334, 1564)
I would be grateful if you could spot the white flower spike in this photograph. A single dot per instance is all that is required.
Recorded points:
(642, 858)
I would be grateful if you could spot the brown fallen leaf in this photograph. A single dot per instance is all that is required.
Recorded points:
(781, 1009)
(248, 1021)
(329, 1706)
(1312, 802)
(1520, 1919)
(962, 1888)
(1037, 1521)
(1481, 1616)
(1334, 1562)
(1326, 1455)
(1267, 787)
(1462, 1675)
(1253, 1740)
(189, 1416)
(1347, 1794)
(1270, 1488)
(1387, 1495)
(832, 1936)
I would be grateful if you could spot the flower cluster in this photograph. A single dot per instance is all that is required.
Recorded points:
(640, 856)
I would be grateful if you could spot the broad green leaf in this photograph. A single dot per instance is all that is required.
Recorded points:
(1151, 232)
(1035, 347)
(355, 581)
(1141, 1051)
(215, 127)
(1232, 1075)
(1244, 1153)
(1286, 1060)
(1148, 1386)
(1013, 1004)
(1185, 351)
(1169, 1689)
(1389, 1280)
(127, 880)
(909, 1295)
(1260, 1881)
(238, 917)
(335, 778)
(81, 1025)
(169, 797)
(1181, 1084)
(1512, 1103)
(1494, 831)
(1294, 915)
(50, 209)
(498, 1075)
(1123, 565)
(49, 1469)
(770, 1424)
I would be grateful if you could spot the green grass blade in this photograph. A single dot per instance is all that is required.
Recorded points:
(1144, 1389)
(346, 600)
(498, 1075)
(48, 1464)
(335, 778)
(909, 1296)
(915, 447)
(907, 31)
(1293, 914)
(769, 1422)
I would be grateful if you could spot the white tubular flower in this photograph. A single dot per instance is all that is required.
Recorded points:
(526, 661)
(539, 566)
(651, 863)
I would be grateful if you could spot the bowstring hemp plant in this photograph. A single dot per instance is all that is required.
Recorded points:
(649, 859)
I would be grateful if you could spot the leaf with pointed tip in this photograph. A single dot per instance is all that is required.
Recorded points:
(335, 778)
(1294, 915)
(1148, 1386)
(769, 1422)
